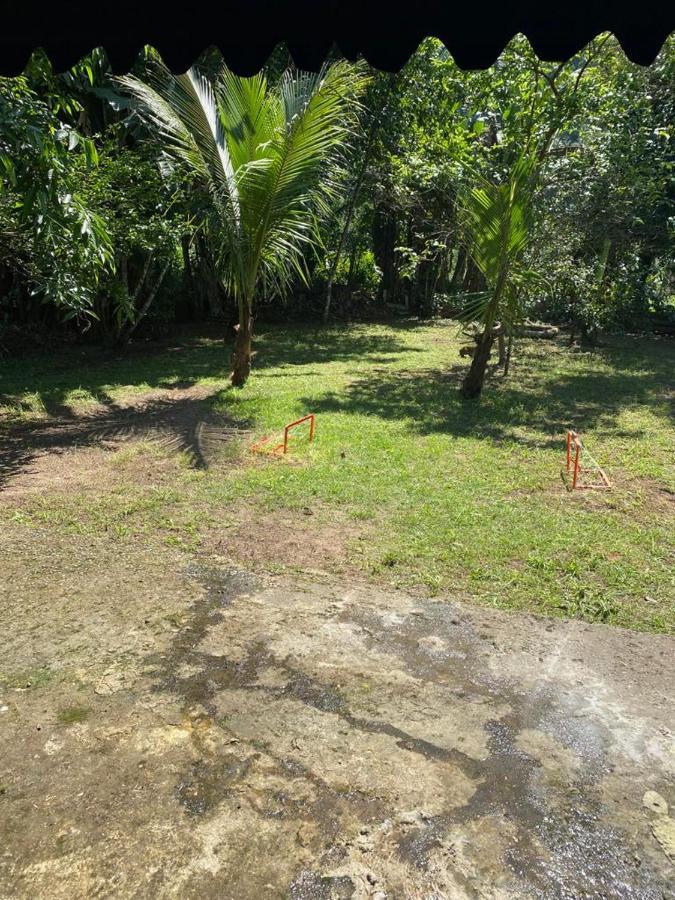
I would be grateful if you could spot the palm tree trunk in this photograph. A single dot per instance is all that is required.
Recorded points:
(472, 385)
(241, 355)
(475, 378)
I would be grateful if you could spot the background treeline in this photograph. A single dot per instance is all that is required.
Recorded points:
(99, 236)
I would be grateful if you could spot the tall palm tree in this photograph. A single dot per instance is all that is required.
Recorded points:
(265, 156)
(497, 222)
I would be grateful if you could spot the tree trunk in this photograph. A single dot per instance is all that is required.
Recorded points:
(502, 347)
(210, 287)
(352, 268)
(143, 276)
(507, 361)
(124, 273)
(475, 378)
(460, 271)
(196, 309)
(241, 355)
(348, 220)
(125, 336)
(329, 287)
(384, 242)
(474, 280)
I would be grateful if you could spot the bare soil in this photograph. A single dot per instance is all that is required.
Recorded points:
(311, 539)
(180, 419)
(189, 729)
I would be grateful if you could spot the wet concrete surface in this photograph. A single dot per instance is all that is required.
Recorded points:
(293, 739)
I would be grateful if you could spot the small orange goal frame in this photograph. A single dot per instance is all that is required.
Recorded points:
(575, 475)
(261, 446)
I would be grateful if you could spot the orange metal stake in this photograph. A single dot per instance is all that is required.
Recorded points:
(310, 418)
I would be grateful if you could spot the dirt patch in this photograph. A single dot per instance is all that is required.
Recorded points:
(653, 497)
(180, 420)
(189, 729)
(656, 497)
(309, 539)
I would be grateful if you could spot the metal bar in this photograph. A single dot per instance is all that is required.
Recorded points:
(310, 418)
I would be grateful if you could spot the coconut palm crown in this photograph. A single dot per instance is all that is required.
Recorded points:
(266, 156)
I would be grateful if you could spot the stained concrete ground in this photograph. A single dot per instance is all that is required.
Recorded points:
(177, 729)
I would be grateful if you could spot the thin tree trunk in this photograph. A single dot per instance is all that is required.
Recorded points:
(502, 347)
(352, 268)
(124, 273)
(144, 275)
(241, 354)
(189, 278)
(507, 362)
(460, 270)
(128, 332)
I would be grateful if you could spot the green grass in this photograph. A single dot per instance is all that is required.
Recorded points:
(464, 499)
(73, 715)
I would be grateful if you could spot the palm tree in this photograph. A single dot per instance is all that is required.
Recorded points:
(265, 157)
(497, 222)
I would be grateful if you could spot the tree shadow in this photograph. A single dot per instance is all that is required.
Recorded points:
(188, 425)
(307, 345)
(533, 411)
(48, 382)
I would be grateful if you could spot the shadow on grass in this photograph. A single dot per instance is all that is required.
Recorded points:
(534, 409)
(301, 346)
(50, 380)
(188, 425)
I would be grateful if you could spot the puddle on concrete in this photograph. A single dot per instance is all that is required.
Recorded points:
(312, 693)
(564, 853)
(208, 783)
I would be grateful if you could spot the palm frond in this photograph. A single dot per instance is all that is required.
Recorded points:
(184, 112)
(497, 218)
(265, 155)
(497, 223)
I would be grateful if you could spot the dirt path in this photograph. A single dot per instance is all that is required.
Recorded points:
(175, 730)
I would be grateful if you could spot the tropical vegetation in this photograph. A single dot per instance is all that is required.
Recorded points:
(529, 191)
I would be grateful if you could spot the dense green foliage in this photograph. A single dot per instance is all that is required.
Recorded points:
(102, 232)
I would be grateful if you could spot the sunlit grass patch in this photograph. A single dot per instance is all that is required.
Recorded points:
(459, 498)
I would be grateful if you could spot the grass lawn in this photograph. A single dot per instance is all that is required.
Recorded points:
(405, 484)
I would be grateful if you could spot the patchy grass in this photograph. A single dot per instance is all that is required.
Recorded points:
(405, 483)
(73, 715)
(30, 679)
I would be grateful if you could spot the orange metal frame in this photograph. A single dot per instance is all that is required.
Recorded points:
(574, 469)
(259, 446)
